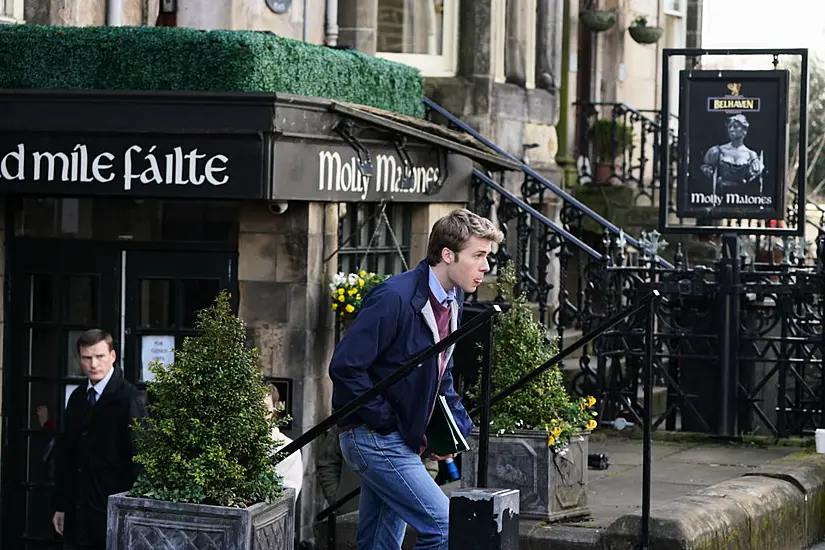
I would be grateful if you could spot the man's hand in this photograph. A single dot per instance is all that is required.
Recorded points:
(57, 521)
(436, 457)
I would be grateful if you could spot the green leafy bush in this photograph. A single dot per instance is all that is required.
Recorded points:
(520, 345)
(207, 438)
(162, 58)
(610, 137)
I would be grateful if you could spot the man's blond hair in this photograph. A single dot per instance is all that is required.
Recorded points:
(454, 231)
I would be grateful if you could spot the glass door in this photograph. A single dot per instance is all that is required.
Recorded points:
(56, 291)
(164, 291)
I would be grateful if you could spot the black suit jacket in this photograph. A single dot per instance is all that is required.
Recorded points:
(94, 458)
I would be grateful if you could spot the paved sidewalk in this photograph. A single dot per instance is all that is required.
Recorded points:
(678, 468)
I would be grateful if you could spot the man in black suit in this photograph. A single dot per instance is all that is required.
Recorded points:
(96, 446)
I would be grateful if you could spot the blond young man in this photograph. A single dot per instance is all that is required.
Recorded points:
(384, 439)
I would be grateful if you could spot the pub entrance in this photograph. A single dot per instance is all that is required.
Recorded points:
(145, 293)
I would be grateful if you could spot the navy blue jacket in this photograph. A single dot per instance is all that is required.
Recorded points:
(389, 330)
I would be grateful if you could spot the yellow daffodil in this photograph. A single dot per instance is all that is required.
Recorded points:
(353, 291)
(340, 291)
(360, 282)
(556, 431)
(591, 424)
(350, 308)
(341, 298)
(591, 401)
(334, 306)
(363, 273)
(550, 440)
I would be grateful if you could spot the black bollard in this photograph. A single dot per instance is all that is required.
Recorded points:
(484, 519)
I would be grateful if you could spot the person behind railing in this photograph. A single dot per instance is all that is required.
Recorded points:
(291, 469)
(384, 439)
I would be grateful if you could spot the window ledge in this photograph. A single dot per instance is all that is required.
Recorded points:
(6, 20)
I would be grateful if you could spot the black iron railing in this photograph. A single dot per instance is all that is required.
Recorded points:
(620, 145)
(771, 350)
(645, 311)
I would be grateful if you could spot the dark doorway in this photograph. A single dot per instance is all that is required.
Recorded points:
(56, 290)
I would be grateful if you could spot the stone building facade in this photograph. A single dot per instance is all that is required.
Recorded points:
(508, 68)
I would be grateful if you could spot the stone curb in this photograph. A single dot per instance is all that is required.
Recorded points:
(777, 506)
(805, 471)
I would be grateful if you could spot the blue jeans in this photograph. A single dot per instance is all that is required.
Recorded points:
(396, 489)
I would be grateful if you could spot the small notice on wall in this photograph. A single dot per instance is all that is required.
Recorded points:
(154, 348)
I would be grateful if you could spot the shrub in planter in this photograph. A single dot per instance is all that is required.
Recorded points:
(538, 443)
(209, 477)
(610, 139)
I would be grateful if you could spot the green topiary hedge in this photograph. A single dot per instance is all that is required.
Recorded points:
(160, 58)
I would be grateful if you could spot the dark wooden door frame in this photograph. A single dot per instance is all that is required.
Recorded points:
(170, 260)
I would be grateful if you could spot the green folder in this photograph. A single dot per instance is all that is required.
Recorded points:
(443, 436)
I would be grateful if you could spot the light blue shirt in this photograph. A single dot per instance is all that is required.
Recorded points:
(100, 386)
(438, 289)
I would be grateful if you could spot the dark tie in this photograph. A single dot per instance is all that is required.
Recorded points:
(91, 397)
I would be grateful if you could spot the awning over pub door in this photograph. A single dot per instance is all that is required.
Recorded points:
(205, 145)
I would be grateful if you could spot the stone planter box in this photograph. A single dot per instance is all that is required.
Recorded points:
(551, 487)
(148, 524)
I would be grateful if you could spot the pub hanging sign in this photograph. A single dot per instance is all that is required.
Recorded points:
(733, 128)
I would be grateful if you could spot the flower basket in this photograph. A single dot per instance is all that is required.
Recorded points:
(347, 293)
(645, 35)
(598, 20)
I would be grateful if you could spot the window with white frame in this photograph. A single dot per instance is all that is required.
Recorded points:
(421, 33)
(11, 11)
(675, 8)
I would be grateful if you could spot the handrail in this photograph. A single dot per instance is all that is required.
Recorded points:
(400, 373)
(555, 189)
(583, 341)
(535, 213)
(638, 112)
(518, 384)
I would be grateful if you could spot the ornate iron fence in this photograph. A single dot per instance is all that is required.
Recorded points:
(738, 339)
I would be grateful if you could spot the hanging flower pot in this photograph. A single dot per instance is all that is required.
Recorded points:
(598, 20)
(643, 34)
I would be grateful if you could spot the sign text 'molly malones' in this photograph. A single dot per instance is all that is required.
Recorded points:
(161, 169)
(343, 175)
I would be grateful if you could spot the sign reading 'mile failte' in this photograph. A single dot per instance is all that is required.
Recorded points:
(160, 168)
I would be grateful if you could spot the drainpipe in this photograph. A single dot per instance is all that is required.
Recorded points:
(563, 158)
(306, 20)
(331, 33)
(114, 13)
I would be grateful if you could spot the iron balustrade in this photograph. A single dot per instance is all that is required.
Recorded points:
(645, 310)
(537, 179)
(751, 308)
(619, 145)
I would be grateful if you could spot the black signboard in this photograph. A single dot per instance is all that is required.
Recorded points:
(168, 165)
(327, 170)
(733, 128)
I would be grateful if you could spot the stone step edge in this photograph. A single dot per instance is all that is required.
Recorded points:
(779, 505)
